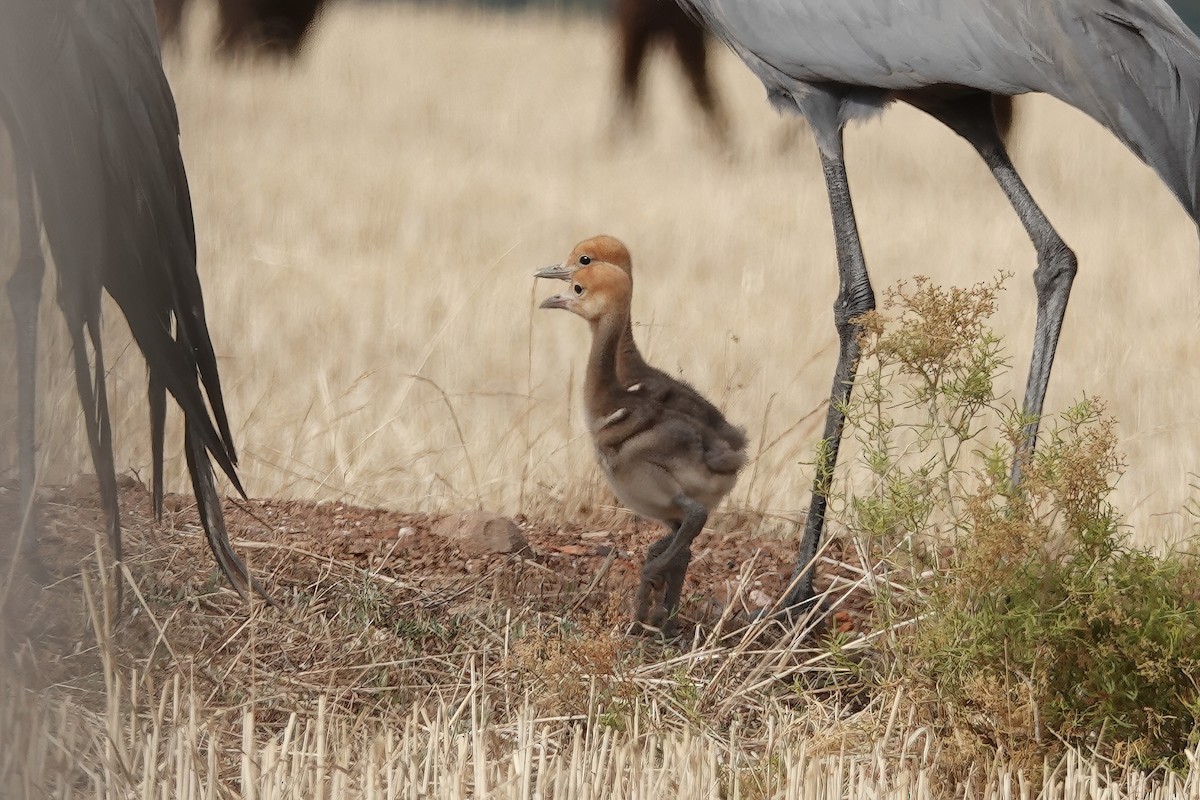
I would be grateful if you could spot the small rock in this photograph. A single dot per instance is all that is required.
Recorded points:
(760, 598)
(483, 532)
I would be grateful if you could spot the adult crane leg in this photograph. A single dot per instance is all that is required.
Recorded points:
(855, 298)
(25, 295)
(973, 118)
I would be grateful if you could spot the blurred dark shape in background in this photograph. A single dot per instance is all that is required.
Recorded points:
(170, 21)
(247, 27)
(277, 27)
(644, 23)
(281, 27)
(268, 14)
(1189, 10)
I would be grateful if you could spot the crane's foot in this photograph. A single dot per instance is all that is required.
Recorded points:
(664, 630)
(662, 619)
(637, 628)
(649, 595)
(660, 622)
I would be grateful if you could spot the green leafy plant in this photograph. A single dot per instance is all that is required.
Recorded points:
(1036, 618)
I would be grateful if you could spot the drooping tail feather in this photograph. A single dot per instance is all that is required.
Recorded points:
(90, 99)
(162, 284)
(156, 398)
(93, 396)
(153, 276)
(209, 504)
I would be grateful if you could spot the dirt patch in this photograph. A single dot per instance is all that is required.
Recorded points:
(572, 570)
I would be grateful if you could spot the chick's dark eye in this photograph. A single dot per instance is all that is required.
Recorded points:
(585, 260)
(578, 289)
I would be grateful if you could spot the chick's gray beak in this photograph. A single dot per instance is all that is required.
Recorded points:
(555, 301)
(557, 271)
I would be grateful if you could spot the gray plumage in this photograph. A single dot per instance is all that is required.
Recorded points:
(93, 124)
(1132, 65)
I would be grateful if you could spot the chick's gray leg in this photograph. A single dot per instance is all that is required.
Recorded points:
(649, 588)
(667, 566)
(675, 576)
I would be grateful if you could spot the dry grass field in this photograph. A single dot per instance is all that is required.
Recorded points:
(374, 213)
(368, 222)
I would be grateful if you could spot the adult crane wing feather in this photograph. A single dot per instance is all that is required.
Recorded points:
(1132, 65)
(92, 117)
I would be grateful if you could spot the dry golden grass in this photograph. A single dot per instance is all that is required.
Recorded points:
(364, 686)
(374, 213)
(156, 745)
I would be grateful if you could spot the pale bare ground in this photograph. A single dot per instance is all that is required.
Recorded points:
(375, 212)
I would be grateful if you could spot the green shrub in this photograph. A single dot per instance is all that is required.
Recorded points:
(1038, 621)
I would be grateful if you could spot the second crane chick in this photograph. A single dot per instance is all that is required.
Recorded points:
(632, 370)
(662, 463)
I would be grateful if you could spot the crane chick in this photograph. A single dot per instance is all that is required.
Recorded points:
(632, 370)
(663, 459)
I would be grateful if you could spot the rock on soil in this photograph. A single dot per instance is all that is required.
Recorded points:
(483, 533)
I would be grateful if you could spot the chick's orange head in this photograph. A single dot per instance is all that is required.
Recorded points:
(602, 248)
(596, 291)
